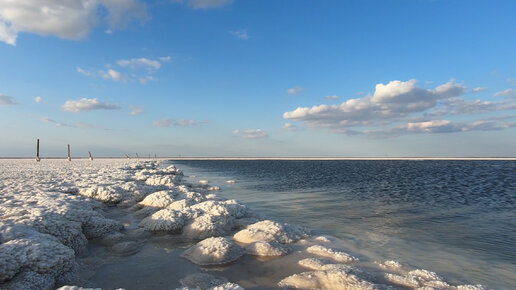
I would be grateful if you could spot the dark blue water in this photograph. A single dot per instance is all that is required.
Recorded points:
(457, 218)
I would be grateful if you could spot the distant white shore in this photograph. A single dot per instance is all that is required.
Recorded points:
(285, 158)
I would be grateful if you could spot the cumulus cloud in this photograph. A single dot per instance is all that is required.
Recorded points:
(401, 107)
(289, 126)
(205, 4)
(69, 19)
(87, 105)
(506, 93)
(295, 90)
(332, 97)
(479, 89)
(6, 100)
(136, 110)
(185, 123)
(251, 134)
(140, 63)
(242, 34)
(388, 103)
(162, 123)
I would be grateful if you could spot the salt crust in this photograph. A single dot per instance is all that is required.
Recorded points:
(338, 256)
(268, 230)
(207, 281)
(160, 199)
(213, 251)
(263, 248)
(330, 279)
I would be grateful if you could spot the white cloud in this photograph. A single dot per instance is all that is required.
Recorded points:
(39, 100)
(390, 103)
(206, 4)
(145, 80)
(251, 134)
(289, 126)
(165, 58)
(136, 110)
(506, 93)
(295, 90)
(242, 34)
(48, 120)
(162, 123)
(87, 105)
(479, 89)
(6, 100)
(185, 123)
(69, 19)
(109, 74)
(333, 97)
(140, 62)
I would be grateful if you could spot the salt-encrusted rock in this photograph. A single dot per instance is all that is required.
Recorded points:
(268, 230)
(227, 286)
(472, 287)
(167, 220)
(390, 264)
(332, 279)
(231, 181)
(180, 204)
(213, 188)
(202, 281)
(98, 227)
(213, 251)
(418, 278)
(206, 226)
(160, 199)
(202, 181)
(77, 288)
(222, 208)
(323, 239)
(109, 194)
(28, 279)
(166, 180)
(338, 256)
(264, 248)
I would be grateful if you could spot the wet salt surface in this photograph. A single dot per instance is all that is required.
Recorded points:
(81, 223)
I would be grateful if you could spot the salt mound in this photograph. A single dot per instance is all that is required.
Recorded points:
(333, 279)
(76, 288)
(166, 180)
(28, 279)
(109, 194)
(231, 181)
(97, 227)
(164, 220)
(418, 278)
(203, 181)
(222, 208)
(213, 251)
(207, 226)
(390, 265)
(472, 287)
(263, 248)
(180, 204)
(268, 230)
(331, 253)
(159, 199)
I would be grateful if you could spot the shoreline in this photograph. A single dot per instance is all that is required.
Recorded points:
(276, 158)
(140, 213)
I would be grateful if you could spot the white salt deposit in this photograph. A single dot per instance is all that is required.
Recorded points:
(159, 199)
(263, 248)
(338, 256)
(268, 230)
(213, 251)
(332, 279)
(231, 181)
(167, 220)
(202, 181)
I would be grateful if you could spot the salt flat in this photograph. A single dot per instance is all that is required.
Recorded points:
(119, 223)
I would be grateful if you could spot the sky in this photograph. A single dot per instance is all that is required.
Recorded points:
(240, 78)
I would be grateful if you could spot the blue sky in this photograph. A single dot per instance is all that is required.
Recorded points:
(258, 78)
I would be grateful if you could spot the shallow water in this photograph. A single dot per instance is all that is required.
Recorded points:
(457, 218)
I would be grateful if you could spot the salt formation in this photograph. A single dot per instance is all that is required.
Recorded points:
(417, 279)
(167, 220)
(159, 199)
(213, 251)
(268, 230)
(331, 279)
(263, 248)
(316, 264)
(207, 281)
(331, 253)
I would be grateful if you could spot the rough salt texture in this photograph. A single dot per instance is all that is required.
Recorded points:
(160, 199)
(268, 230)
(338, 256)
(263, 248)
(167, 220)
(332, 279)
(213, 251)
(202, 280)
(417, 279)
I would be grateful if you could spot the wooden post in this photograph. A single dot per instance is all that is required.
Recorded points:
(37, 151)
(91, 158)
(137, 157)
(69, 157)
(127, 156)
